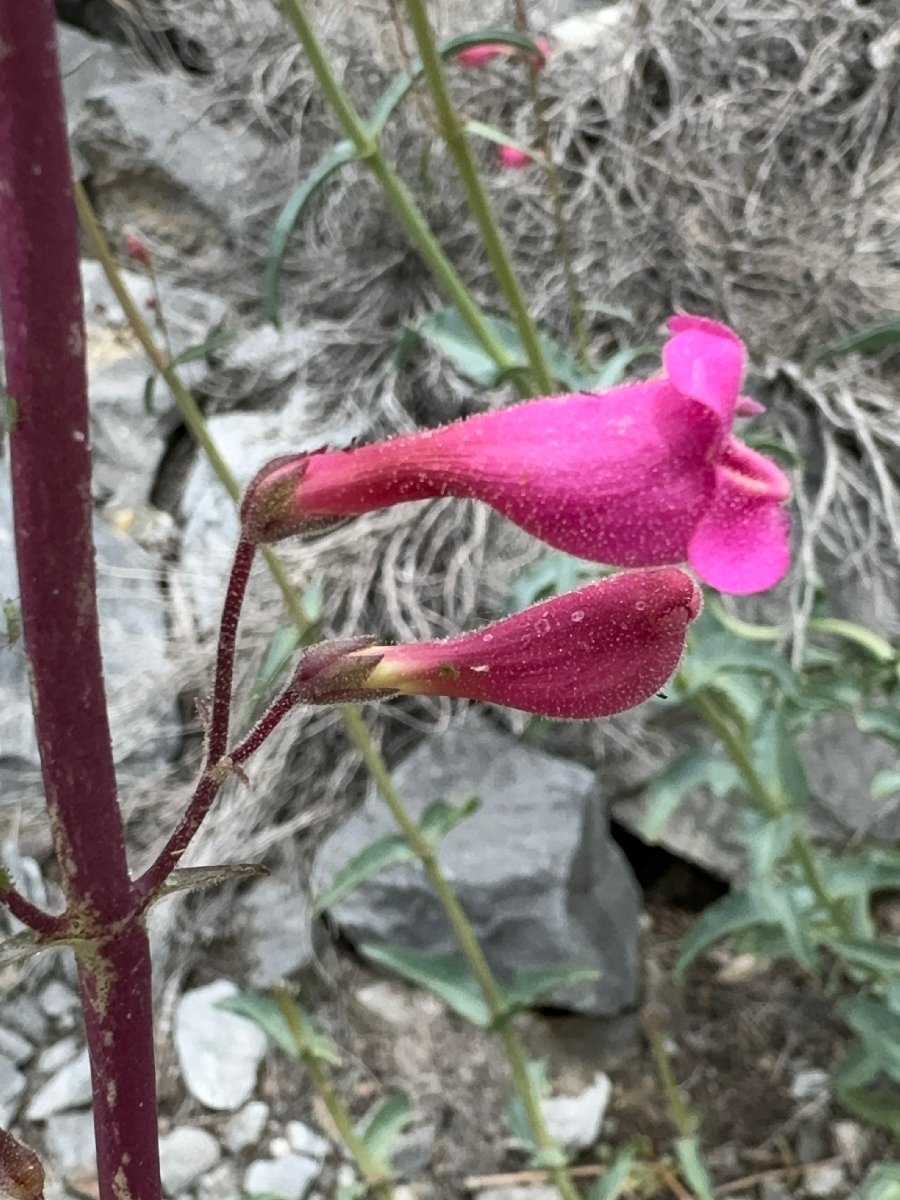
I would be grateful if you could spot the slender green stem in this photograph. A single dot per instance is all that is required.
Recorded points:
(454, 135)
(468, 944)
(554, 183)
(773, 806)
(399, 196)
(684, 1121)
(371, 1171)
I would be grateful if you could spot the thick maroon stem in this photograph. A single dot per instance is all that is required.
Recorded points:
(43, 326)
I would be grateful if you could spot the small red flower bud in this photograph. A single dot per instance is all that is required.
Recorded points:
(512, 158)
(136, 250)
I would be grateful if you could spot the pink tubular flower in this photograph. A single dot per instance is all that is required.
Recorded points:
(596, 651)
(480, 56)
(642, 475)
(512, 158)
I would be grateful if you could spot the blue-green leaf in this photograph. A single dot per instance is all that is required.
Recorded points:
(446, 975)
(869, 340)
(388, 851)
(695, 768)
(731, 915)
(338, 156)
(384, 1124)
(615, 1178)
(297, 1036)
(693, 1167)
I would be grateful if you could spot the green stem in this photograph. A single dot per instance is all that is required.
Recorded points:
(554, 183)
(190, 410)
(479, 206)
(468, 944)
(371, 1171)
(396, 191)
(773, 806)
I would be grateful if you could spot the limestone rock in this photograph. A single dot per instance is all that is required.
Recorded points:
(219, 1052)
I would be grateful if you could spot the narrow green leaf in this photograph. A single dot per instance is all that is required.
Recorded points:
(217, 338)
(731, 915)
(516, 1116)
(266, 1012)
(150, 396)
(441, 817)
(283, 645)
(885, 783)
(383, 1126)
(615, 1178)
(874, 645)
(501, 137)
(695, 768)
(613, 370)
(871, 953)
(388, 851)
(870, 340)
(778, 759)
(879, 1030)
(446, 330)
(881, 722)
(875, 1106)
(693, 1167)
(531, 986)
(338, 156)
(446, 975)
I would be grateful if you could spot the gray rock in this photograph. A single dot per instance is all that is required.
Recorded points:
(518, 1193)
(271, 356)
(69, 1139)
(411, 1150)
(69, 1088)
(823, 1179)
(277, 933)
(219, 1052)
(127, 441)
(576, 1121)
(221, 1183)
(184, 1154)
(397, 1005)
(303, 1140)
(840, 764)
(289, 1177)
(57, 1000)
(22, 1013)
(12, 1085)
(88, 65)
(535, 868)
(52, 1057)
(852, 1142)
(811, 1085)
(246, 1127)
(246, 441)
(139, 677)
(154, 154)
(14, 1047)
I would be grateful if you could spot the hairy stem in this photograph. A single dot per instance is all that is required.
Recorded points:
(398, 195)
(371, 1171)
(454, 135)
(43, 326)
(468, 943)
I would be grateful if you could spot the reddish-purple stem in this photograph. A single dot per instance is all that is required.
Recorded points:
(29, 914)
(231, 614)
(272, 717)
(43, 326)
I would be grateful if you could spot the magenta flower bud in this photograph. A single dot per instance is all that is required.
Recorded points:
(642, 475)
(596, 651)
(511, 158)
